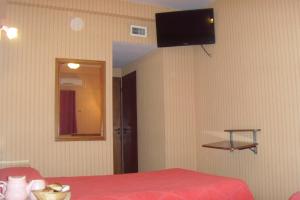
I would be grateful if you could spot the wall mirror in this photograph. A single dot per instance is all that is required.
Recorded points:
(80, 100)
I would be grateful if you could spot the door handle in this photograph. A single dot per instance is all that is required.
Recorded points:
(127, 129)
(118, 130)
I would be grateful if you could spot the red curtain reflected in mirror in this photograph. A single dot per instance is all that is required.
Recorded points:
(68, 125)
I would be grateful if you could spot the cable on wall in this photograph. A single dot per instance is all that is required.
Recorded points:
(208, 54)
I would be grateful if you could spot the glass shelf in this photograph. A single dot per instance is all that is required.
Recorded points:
(232, 145)
(227, 145)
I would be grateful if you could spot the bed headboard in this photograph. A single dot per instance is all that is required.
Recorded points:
(14, 163)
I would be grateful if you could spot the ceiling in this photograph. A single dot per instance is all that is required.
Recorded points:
(178, 4)
(125, 53)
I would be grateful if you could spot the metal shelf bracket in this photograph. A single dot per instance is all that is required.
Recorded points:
(254, 136)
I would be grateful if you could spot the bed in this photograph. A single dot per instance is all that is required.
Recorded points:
(295, 196)
(170, 184)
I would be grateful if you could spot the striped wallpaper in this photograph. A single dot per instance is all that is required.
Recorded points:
(150, 110)
(252, 81)
(3, 5)
(27, 76)
(166, 108)
(179, 106)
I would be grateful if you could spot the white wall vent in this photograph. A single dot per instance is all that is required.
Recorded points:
(139, 31)
(71, 82)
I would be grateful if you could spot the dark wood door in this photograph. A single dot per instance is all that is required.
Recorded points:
(129, 118)
(117, 137)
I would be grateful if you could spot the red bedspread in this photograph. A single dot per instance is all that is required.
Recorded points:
(172, 184)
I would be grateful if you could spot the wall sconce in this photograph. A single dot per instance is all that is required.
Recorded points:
(11, 32)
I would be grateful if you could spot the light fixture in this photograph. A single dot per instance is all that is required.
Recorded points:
(77, 24)
(11, 32)
(73, 65)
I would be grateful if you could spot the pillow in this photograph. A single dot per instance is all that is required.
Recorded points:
(30, 173)
(295, 196)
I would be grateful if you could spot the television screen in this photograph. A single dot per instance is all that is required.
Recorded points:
(192, 27)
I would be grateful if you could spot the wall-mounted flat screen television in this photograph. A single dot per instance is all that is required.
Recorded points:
(180, 28)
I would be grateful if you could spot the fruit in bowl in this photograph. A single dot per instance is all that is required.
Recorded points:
(54, 192)
(44, 195)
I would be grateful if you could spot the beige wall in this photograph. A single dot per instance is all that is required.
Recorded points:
(150, 108)
(252, 81)
(117, 72)
(45, 35)
(27, 76)
(3, 4)
(179, 107)
(166, 108)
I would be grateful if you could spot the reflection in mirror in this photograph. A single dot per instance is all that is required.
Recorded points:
(80, 100)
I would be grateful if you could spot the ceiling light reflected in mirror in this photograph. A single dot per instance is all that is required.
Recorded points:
(73, 65)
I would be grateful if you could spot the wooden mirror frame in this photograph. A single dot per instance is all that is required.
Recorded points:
(77, 137)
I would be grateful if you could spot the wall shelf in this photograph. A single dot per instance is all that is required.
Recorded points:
(232, 145)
